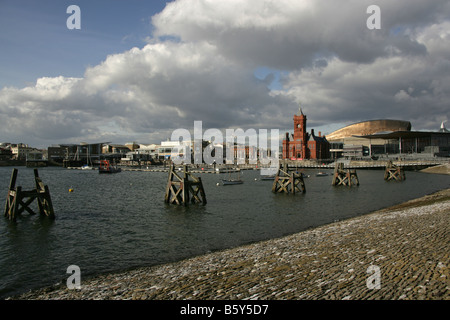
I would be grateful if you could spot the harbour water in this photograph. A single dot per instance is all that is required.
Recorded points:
(120, 221)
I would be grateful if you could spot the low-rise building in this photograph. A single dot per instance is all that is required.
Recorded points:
(115, 148)
(132, 145)
(5, 153)
(20, 151)
(57, 153)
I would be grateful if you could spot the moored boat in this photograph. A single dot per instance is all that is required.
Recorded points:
(106, 167)
(230, 181)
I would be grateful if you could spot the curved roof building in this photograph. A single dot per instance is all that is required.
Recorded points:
(368, 128)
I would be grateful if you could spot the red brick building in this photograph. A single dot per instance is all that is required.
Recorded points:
(303, 145)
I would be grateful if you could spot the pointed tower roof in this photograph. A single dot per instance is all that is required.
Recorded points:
(300, 111)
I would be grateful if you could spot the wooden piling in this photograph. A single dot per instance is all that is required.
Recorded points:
(18, 200)
(394, 172)
(288, 181)
(44, 199)
(181, 190)
(343, 177)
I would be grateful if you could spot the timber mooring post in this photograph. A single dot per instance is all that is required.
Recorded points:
(394, 172)
(44, 200)
(15, 203)
(11, 200)
(288, 182)
(179, 189)
(343, 177)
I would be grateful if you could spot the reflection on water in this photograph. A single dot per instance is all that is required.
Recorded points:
(113, 222)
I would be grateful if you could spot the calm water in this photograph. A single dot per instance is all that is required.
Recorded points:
(120, 221)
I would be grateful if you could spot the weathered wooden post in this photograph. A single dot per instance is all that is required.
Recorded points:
(343, 177)
(179, 189)
(43, 196)
(394, 172)
(11, 199)
(15, 203)
(288, 182)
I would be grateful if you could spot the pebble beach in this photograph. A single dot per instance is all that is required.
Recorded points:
(398, 253)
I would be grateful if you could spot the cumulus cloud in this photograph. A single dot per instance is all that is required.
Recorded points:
(200, 61)
(290, 34)
(141, 92)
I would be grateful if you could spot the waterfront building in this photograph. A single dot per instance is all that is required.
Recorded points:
(108, 148)
(384, 137)
(21, 151)
(76, 155)
(57, 153)
(239, 152)
(165, 150)
(144, 155)
(137, 157)
(151, 149)
(302, 145)
(243, 153)
(5, 153)
(132, 145)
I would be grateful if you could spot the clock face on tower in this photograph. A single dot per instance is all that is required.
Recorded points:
(299, 125)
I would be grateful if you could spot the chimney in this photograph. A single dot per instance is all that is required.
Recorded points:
(312, 132)
(320, 134)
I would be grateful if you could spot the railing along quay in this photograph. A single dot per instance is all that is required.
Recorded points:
(300, 164)
(355, 164)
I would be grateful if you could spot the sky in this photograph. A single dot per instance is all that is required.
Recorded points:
(137, 70)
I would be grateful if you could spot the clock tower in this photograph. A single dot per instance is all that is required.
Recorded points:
(300, 135)
(299, 126)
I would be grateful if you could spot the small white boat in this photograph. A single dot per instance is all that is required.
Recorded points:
(321, 174)
(88, 165)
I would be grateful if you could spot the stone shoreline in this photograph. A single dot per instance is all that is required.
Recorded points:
(409, 243)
